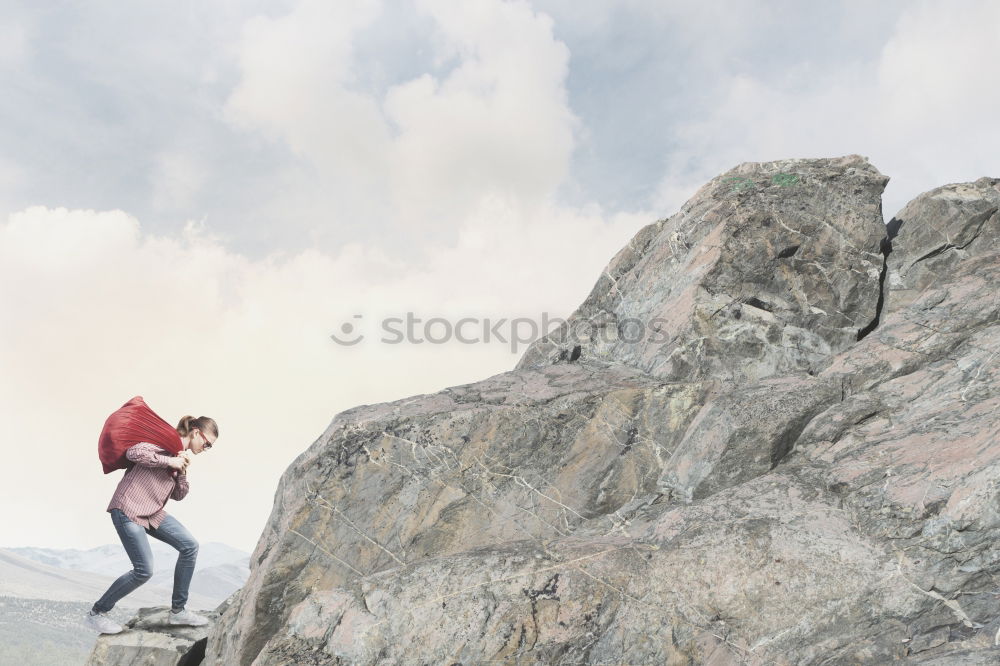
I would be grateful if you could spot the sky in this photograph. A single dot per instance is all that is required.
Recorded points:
(195, 196)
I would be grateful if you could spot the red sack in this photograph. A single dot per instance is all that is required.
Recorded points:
(132, 423)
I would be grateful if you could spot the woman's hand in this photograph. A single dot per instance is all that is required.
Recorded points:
(178, 462)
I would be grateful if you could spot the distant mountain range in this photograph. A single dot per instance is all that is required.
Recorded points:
(45, 593)
(83, 575)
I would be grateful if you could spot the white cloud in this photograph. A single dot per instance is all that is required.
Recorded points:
(14, 43)
(497, 124)
(178, 179)
(423, 156)
(940, 66)
(923, 111)
(296, 87)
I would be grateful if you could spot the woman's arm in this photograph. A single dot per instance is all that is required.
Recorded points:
(145, 453)
(180, 487)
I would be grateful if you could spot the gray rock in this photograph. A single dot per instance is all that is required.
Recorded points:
(810, 482)
(769, 269)
(149, 640)
(941, 228)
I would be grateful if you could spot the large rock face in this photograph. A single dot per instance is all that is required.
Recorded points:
(799, 468)
(769, 269)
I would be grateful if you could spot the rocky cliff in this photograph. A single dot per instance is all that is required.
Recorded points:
(767, 436)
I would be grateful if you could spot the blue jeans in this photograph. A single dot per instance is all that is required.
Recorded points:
(136, 544)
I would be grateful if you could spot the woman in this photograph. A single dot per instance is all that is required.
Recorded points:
(137, 510)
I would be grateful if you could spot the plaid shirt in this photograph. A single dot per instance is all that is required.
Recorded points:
(147, 485)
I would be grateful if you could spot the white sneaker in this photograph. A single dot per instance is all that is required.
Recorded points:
(102, 623)
(186, 617)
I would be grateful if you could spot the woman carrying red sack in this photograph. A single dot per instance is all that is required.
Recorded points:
(155, 457)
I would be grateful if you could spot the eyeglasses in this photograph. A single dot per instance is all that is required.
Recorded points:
(208, 444)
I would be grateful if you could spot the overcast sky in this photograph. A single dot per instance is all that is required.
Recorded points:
(194, 196)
